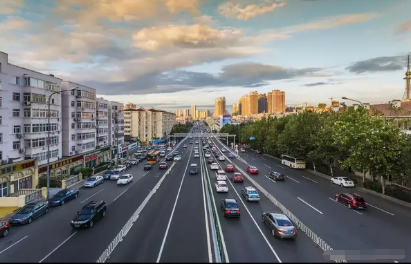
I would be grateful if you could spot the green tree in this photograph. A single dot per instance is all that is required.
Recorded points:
(181, 128)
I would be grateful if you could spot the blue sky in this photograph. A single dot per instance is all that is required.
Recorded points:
(170, 54)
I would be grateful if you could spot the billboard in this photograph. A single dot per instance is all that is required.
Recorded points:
(225, 119)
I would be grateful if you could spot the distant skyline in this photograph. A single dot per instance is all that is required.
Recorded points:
(172, 54)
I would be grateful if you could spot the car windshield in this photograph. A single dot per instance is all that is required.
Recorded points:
(60, 194)
(124, 177)
(86, 211)
(230, 205)
(91, 179)
(229, 165)
(108, 172)
(282, 222)
(237, 175)
(222, 185)
(148, 164)
(253, 168)
(26, 209)
(252, 192)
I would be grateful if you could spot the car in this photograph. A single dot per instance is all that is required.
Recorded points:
(252, 170)
(207, 154)
(220, 175)
(230, 208)
(115, 175)
(169, 148)
(169, 158)
(210, 160)
(193, 169)
(191, 142)
(353, 201)
(125, 179)
(242, 150)
(276, 176)
(343, 182)
(4, 228)
(229, 168)
(221, 186)
(221, 158)
(196, 155)
(29, 212)
(231, 155)
(148, 166)
(250, 194)
(93, 181)
(107, 174)
(175, 153)
(214, 166)
(223, 150)
(121, 168)
(89, 214)
(63, 196)
(237, 177)
(134, 161)
(162, 165)
(216, 155)
(204, 148)
(185, 146)
(177, 158)
(280, 225)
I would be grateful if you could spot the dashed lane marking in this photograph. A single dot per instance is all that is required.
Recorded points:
(15, 243)
(344, 205)
(310, 205)
(309, 179)
(293, 179)
(92, 195)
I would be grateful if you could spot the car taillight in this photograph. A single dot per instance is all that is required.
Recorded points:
(280, 230)
(238, 211)
(294, 231)
(227, 211)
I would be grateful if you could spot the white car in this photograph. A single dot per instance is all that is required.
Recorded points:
(214, 166)
(115, 175)
(221, 158)
(220, 175)
(343, 181)
(223, 150)
(221, 186)
(177, 158)
(196, 155)
(207, 155)
(125, 179)
(121, 168)
(242, 150)
(133, 161)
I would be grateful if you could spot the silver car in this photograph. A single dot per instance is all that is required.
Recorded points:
(280, 225)
(93, 181)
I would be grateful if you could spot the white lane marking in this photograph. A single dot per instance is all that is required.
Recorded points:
(281, 166)
(252, 218)
(62, 243)
(293, 179)
(343, 205)
(172, 212)
(270, 179)
(267, 166)
(121, 194)
(15, 243)
(309, 179)
(379, 209)
(146, 173)
(253, 158)
(92, 195)
(309, 205)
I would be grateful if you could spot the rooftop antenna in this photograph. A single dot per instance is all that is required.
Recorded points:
(407, 79)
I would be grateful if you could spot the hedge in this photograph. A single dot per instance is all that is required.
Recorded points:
(55, 182)
(391, 191)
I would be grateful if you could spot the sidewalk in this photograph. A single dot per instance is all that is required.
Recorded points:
(6, 212)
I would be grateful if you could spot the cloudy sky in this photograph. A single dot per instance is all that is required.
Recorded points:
(170, 54)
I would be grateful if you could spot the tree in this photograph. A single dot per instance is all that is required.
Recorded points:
(181, 128)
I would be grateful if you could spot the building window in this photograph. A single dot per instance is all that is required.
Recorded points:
(0, 120)
(4, 189)
(17, 129)
(16, 145)
(73, 114)
(1, 155)
(72, 126)
(16, 96)
(0, 81)
(16, 113)
(1, 102)
(73, 137)
(15, 80)
(27, 128)
(73, 148)
(72, 103)
(1, 138)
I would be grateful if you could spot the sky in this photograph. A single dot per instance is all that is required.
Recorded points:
(170, 54)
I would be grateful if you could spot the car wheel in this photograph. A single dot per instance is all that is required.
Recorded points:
(91, 224)
(273, 232)
(61, 203)
(30, 220)
(332, 181)
(336, 199)
(6, 232)
(342, 185)
(47, 210)
(349, 206)
(104, 213)
(75, 196)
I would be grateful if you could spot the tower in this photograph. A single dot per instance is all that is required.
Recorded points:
(407, 79)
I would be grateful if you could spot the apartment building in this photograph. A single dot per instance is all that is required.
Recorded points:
(178, 113)
(24, 96)
(102, 129)
(116, 123)
(235, 108)
(79, 118)
(186, 112)
(193, 111)
(148, 124)
(129, 105)
(220, 106)
(262, 103)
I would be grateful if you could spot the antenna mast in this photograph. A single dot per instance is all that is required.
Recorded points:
(407, 79)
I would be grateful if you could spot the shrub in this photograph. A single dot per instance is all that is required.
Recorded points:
(86, 172)
(55, 182)
(391, 191)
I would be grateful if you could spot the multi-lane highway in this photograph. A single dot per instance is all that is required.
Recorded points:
(311, 198)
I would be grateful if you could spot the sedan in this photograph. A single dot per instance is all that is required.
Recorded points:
(252, 170)
(115, 175)
(169, 158)
(343, 182)
(134, 161)
(221, 158)
(214, 166)
(29, 212)
(276, 176)
(185, 146)
(196, 155)
(107, 174)
(231, 155)
(237, 178)
(148, 166)
(229, 168)
(279, 225)
(223, 150)
(230, 208)
(4, 228)
(93, 181)
(125, 179)
(210, 160)
(63, 196)
(177, 158)
(207, 155)
(221, 186)
(163, 165)
(121, 168)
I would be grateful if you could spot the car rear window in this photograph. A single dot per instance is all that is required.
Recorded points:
(252, 192)
(92, 179)
(359, 199)
(231, 205)
(222, 185)
(282, 222)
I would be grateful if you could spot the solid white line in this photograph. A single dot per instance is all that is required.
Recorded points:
(343, 205)
(309, 205)
(57, 247)
(267, 166)
(357, 212)
(293, 179)
(281, 166)
(310, 179)
(379, 209)
(121, 194)
(210, 254)
(172, 212)
(13, 244)
(92, 195)
(270, 179)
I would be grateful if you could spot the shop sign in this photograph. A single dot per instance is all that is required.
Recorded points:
(61, 163)
(18, 167)
(125, 149)
(91, 158)
(92, 154)
(132, 146)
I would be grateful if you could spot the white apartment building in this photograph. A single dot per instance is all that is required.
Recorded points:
(79, 118)
(24, 98)
(116, 123)
(102, 128)
(148, 124)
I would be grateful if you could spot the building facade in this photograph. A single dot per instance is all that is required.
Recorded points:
(130, 105)
(220, 106)
(186, 112)
(262, 103)
(193, 111)
(116, 123)
(24, 96)
(102, 129)
(17, 176)
(235, 108)
(79, 118)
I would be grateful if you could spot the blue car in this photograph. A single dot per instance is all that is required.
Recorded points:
(29, 212)
(63, 196)
(231, 155)
(93, 181)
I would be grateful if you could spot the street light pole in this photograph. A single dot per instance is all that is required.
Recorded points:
(362, 105)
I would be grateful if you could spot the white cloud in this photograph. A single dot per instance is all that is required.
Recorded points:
(245, 12)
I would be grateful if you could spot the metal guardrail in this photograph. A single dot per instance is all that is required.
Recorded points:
(35, 195)
(317, 240)
(76, 185)
(71, 180)
(200, 134)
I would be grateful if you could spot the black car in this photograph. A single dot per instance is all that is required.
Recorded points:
(63, 196)
(193, 169)
(107, 174)
(169, 158)
(90, 213)
(276, 176)
(230, 208)
(29, 212)
(148, 166)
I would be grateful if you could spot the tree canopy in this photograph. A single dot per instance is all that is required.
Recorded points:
(181, 128)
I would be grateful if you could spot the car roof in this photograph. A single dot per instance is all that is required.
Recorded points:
(355, 196)
(230, 200)
(279, 216)
(126, 175)
(237, 173)
(250, 188)
(229, 165)
(221, 182)
(220, 171)
(193, 165)
(93, 203)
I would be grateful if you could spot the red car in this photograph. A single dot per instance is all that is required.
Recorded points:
(352, 201)
(229, 168)
(163, 165)
(4, 228)
(237, 178)
(252, 170)
(210, 160)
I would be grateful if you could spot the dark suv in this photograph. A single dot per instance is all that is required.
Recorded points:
(193, 169)
(90, 213)
(276, 176)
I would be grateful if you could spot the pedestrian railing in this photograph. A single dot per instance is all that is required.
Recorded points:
(76, 185)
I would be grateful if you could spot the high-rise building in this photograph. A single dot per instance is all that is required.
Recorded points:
(186, 112)
(278, 101)
(129, 105)
(235, 108)
(245, 105)
(407, 78)
(253, 102)
(178, 113)
(193, 111)
(270, 102)
(262, 103)
(102, 129)
(240, 107)
(219, 106)
(116, 123)
(197, 115)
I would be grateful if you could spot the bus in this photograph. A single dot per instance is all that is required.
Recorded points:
(293, 162)
(153, 156)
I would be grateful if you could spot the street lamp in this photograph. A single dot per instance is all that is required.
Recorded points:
(362, 105)
(48, 137)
